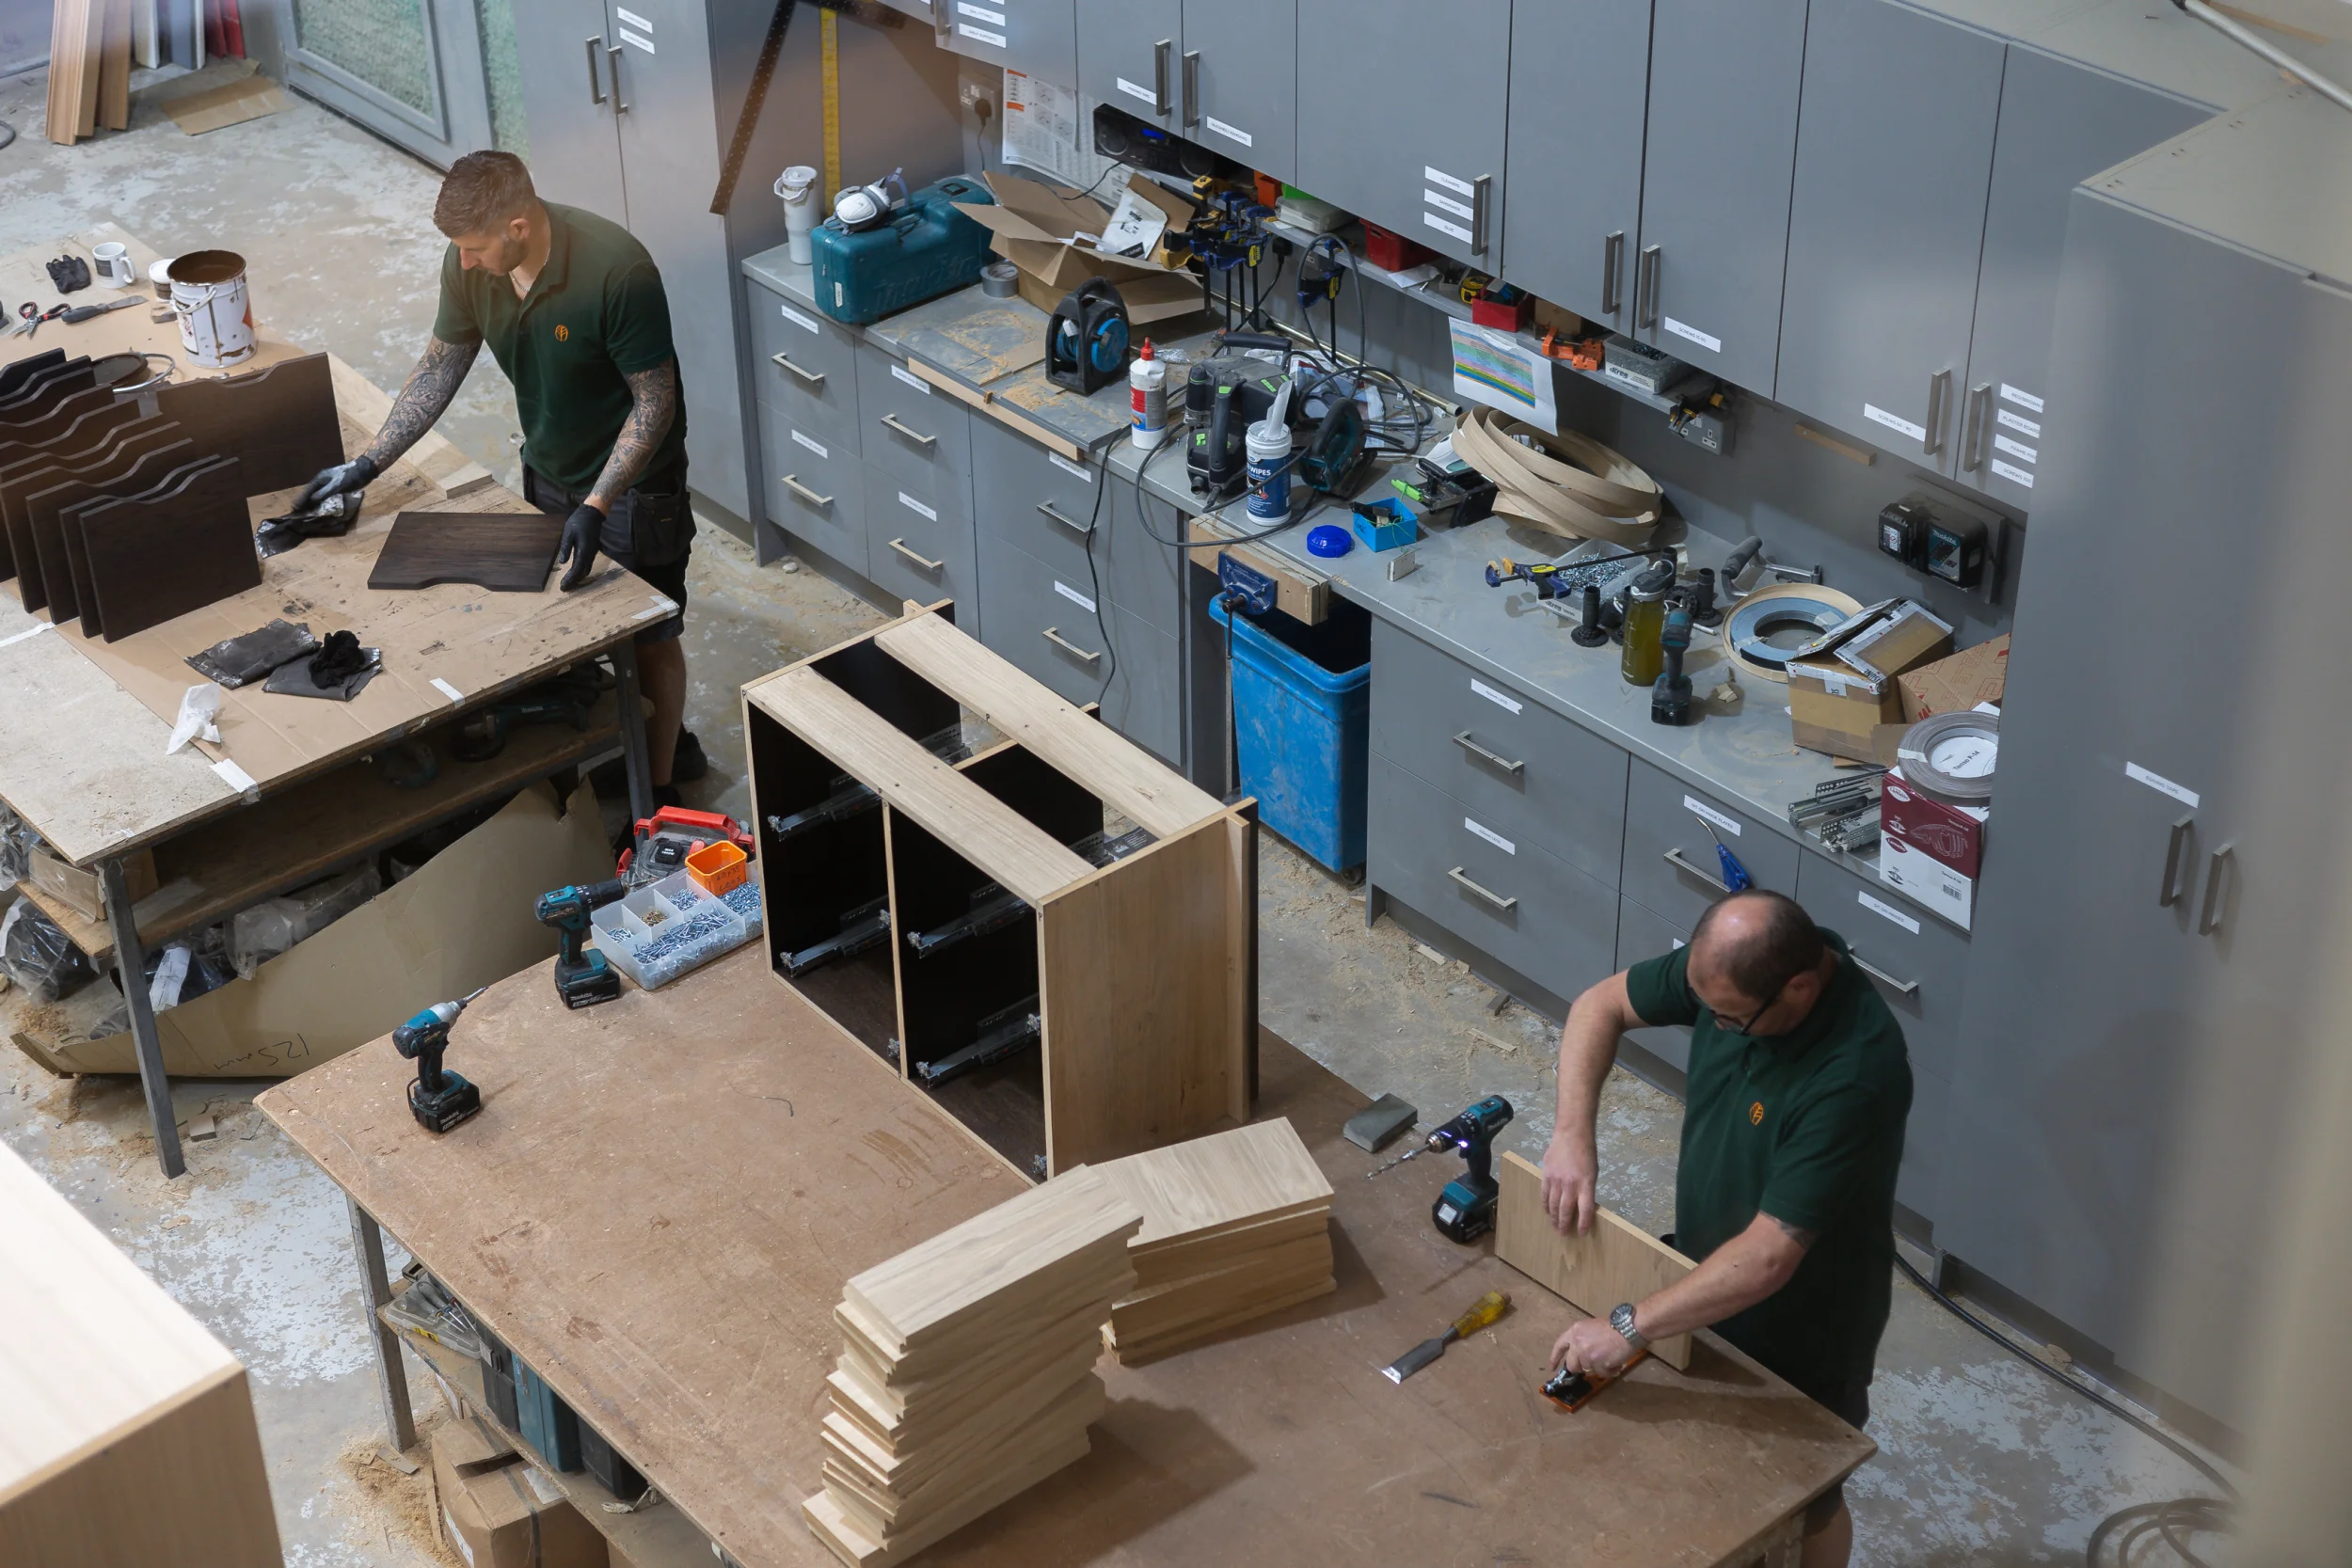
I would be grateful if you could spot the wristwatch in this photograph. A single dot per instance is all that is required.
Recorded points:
(1621, 1318)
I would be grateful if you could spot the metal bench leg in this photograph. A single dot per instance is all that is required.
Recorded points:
(633, 752)
(131, 963)
(391, 1377)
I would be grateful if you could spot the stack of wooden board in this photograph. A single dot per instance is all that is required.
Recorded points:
(967, 1375)
(89, 69)
(1235, 1225)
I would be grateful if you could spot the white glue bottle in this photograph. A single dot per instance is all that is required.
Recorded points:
(1146, 390)
(1269, 451)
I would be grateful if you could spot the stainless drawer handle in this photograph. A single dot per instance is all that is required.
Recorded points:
(814, 378)
(1612, 263)
(1084, 530)
(613, 70)
(1481, 201)
(1192, 88)
(792, 483)
(908, 430)
(1500, 902)
(1975, 424)
(2219, 871)
(1053, 635)
(1160, 52)
(1939, 390)
(1474, 748)
(595, 89)
(1646, 286)
(1909, 988)
(925, 561)
(1674, 858)
(2171, 893)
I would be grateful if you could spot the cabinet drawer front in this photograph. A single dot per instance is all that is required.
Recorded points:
(1663, 819)
(816, 488)
(1033, 500)
(1037, 618)
(1919, 964)
(1492, 748)
(1642, 935)
(1506, 897)
(801, 354)
(909, 426)
(914, 550)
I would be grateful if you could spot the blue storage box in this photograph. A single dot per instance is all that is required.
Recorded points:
(1302, 723)
(547, 1424)
(927, 250)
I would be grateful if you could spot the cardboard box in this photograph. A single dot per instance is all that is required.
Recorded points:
(496, 1509)
(1838, 697)
(1954, 685)
(1047, 231)
(1926, 881)
(78, 889)
(1937, 829)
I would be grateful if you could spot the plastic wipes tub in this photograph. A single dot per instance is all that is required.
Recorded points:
(667, 929)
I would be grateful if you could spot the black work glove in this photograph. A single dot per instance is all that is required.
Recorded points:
(351, 477)
(583, 531)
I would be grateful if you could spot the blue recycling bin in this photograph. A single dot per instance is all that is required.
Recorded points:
(1302, 723)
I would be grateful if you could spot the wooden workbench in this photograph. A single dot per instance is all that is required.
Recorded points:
(84, 723)
(661, 1197)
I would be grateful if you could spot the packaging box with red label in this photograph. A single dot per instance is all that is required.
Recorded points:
(1933, 884)
(1952, 835)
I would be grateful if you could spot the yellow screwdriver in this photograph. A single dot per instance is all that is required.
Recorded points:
(1486, 1310)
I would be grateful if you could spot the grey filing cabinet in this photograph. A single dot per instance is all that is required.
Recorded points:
(805, 369)
(1575, 157)
(2155, 946)
(1401, 115)
(1886, 224)
(1220, 72)
(917, 446)
(1038, 37)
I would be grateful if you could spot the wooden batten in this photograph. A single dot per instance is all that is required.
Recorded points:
(1617, 1261)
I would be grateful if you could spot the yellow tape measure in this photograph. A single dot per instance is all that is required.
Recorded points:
(831, 24)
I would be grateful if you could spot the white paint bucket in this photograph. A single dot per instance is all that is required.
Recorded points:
(208, 294)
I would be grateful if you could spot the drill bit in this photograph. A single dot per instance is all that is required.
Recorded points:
(1417, 1149)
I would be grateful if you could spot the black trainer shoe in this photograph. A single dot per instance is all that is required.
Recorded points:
(687, 763)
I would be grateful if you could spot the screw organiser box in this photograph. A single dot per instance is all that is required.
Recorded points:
(670, 927)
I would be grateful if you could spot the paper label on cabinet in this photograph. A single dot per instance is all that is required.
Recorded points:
(980, 35)
(1876, 415)
(1074, 595)
(2161, 785)
(638, 39)
(1440, 177)
(913, 505)
(899, 372)
(1442, 226)
(2015, 474)
(813, 445)
(2018, 450)
(1134, 92)
(2022, 398)
(1684, 329)
(799, 319)
(630, 19)
(2030, 429)
(1074, 471)
(1705, 812)
(1230, 133)
(1447, 204)
(980, 13)
(1491, 836)
(1881, 907)
(1496, 697)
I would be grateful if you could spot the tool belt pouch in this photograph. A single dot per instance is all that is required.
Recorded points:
(650, 528)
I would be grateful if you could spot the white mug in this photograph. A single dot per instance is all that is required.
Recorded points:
(114, 265)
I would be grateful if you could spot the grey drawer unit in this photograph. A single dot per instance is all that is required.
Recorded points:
(1035, 35)
(909, 426)
(1537, 915)
(1919, 964)
(816, 488)
(1661, 819)
(805, 365)
(1044, 505)
(1531, 773)
(918, 549)
(1642, 935)
(1046, 624)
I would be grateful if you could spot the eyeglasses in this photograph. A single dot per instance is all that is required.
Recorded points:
(1747, 1024)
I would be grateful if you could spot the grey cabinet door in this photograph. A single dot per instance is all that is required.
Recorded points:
(1036, 36)
(1886, 222)
(1127, 56)
(1401, 115)
(1238, 81)
(2060, 124)
(1576, 157)
(568, 104)
(1715, 173)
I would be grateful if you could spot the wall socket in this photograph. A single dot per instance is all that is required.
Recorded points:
(974, 95)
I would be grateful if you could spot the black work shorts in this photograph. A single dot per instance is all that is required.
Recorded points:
(1850, 1404)
(650, 532)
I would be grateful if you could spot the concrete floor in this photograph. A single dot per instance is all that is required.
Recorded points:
(1984, 1460)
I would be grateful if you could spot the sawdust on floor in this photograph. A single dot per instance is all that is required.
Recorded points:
(395, 1507)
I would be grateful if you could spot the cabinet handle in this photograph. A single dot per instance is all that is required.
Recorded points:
(2217, 872)
(1053, 635)
(1084, 530)
(595, 84)
(1976, 427)
(1160, 53)
(612, 65)
(1674, 856)
(792, 483)
(1500, 902)
(908, 430)
(1645, 287)
(814, 378)
(1482, 198)
(1612, 263)
(1474, 748)
(925, 561)
(1192, 89)
(1909, 988)
(2169, 893)
(1939, 390)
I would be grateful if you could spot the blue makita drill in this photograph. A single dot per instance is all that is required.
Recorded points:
(1466, 1209)
(440, 1099)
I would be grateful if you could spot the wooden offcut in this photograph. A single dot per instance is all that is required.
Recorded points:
(1614, 1262)
(504, 552)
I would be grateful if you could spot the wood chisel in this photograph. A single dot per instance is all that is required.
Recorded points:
(1572, 1390)
(1486, 1310)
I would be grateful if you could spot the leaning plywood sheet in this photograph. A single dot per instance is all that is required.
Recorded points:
(1614, 1262)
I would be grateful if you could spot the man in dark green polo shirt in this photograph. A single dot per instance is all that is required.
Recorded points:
(575, 314)
(1798, 1089)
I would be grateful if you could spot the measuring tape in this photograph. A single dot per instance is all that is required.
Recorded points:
(831, 35)
(771, 51)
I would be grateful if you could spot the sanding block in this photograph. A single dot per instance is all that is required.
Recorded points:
(1377, 1123)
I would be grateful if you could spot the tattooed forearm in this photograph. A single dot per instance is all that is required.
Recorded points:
(656, 394)
(1796, 1233)
(431, 388)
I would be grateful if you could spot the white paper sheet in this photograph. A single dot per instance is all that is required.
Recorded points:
(1491, 368)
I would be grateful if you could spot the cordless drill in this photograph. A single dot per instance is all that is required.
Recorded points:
(440, 1099)
(1670, 694)
(582, 977)
(1466, 1209)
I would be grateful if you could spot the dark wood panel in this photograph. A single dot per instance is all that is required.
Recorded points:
(280, 422)
(109, 472)
(42, 389)
(83, 438)
(504, 551)
(174, 549)
(16, 375)
(147, 462)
